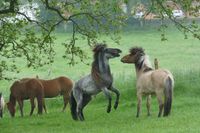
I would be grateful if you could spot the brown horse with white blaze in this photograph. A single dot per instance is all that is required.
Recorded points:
(23, 90)
(150, 81)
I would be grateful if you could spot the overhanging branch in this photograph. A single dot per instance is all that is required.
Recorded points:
(11, 8)
(173, 19)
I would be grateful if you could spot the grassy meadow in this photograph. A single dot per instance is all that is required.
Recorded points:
(179, 55)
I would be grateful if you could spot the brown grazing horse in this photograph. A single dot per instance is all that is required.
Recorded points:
(26, 89)
(54, 87)
(150, 81)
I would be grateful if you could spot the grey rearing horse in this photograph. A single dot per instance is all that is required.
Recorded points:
(99, 80)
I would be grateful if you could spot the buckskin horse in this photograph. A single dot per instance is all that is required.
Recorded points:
(100, 79)
(150, 81)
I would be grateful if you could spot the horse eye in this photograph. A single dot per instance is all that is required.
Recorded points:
(106, 50)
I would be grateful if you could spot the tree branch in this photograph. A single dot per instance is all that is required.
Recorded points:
(33, 21)
(173, 19)
(11, 8)
(54, 9)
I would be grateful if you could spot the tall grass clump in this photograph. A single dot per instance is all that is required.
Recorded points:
(187, 82)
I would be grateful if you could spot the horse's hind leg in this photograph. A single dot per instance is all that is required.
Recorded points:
(86, 100)
(44, 106)
(139, 98)
(32, 105)
(117, 98)
(148, 105)
(66, 100)
(40, 104)
(20, 102)
(160, 102)
(80, 107)
(79, 99)
(108, 96)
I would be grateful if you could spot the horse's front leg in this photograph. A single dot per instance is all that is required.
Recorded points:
(117, 94)
(20, 102)
(108, 96)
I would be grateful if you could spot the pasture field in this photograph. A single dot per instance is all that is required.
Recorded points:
(180, 56)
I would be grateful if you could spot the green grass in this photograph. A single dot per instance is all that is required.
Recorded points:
(177, 54)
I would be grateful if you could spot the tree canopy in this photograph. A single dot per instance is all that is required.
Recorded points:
(20, 21)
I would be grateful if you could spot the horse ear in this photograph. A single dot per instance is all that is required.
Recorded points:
(99, 47)
(137, 50)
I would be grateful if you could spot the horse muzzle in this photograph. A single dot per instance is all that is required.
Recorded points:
(117, 52)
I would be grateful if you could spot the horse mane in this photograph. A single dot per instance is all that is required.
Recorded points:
(96, 74)
(147, 64)
(98, 47)
(12, 99)
(136, 50)
(142, 60)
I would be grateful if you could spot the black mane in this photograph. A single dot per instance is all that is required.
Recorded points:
(98, 48)
(147, 69)
(101, 78)
(138, 52)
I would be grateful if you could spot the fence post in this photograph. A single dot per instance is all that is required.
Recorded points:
(156, 63)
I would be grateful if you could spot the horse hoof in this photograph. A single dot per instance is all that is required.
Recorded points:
(115, 106)
(108, 110)
(81, 119)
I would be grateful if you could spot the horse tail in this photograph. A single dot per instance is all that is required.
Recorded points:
(1, 105)
(73, 105)
(40, 103)
(40, 95)
(168, 96)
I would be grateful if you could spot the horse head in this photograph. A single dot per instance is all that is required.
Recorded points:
(134, 57)
(108, 52)
(100, 67)
(11, 108)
